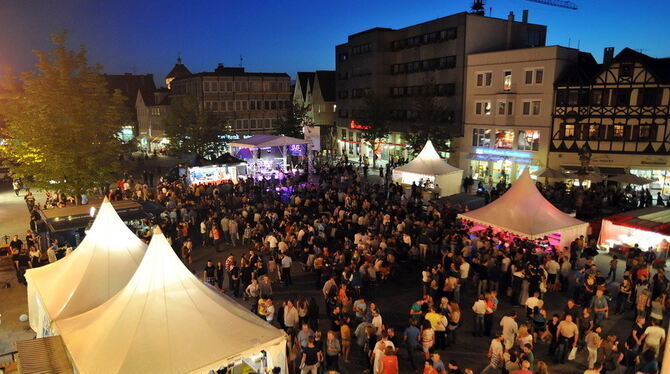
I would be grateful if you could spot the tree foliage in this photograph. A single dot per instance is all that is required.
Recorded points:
(375, 117)
(433, 122)
(291, 122)
(63, 122)
(191, 129)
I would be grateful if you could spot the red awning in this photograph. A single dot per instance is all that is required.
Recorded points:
(637, 219)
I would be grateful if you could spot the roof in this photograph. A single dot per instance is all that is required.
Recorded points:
(179, 70)
(581, 72)
(130, 85)
(523, 210)
(95, 271)
(305, 79)
(259, 141)
(233, 72)
(326, 82)
(79, 216)
(660, 67)
(652, 219)
(43, 356)
(428, 162)
(165, 321)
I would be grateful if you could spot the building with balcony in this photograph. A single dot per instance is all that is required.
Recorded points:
(403, 64)
(619, 112)
(508, 110)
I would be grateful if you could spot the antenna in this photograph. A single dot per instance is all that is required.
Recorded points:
(179, 58)
(241, 60)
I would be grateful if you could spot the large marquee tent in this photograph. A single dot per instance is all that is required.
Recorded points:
(429, 165)
(522, 210)
(95, 271)
(167, 321)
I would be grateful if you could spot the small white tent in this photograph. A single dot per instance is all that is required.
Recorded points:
(167, 321)
(101, 265)
(522, 210)
(428, 165)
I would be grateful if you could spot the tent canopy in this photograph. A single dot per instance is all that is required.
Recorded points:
(100, 266)
(428, 162)
(523, 210)
(165, 321)
(652, 219)
(260, 141)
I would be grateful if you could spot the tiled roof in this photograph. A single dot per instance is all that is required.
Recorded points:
(305, 78)
(326, 79)
(178, 71)
(581, 72)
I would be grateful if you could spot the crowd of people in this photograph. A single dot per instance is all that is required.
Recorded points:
(354, 237)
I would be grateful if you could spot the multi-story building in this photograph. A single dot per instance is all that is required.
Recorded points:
(250, 102)
(508, 110)
(409, 62)
(152, 109)
(619, 112)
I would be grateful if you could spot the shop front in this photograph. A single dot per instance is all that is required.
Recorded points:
(494, 165)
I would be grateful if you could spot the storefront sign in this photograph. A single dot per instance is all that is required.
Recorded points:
(503, 152)
(355, 125)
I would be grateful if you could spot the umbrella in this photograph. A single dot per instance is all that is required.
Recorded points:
(631, 179)
(593, 177)
(550, 173)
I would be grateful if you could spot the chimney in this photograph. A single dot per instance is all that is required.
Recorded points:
(510, 22)
(608, 55)
(524, 18)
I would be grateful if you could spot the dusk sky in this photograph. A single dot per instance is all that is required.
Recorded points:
(289, 36)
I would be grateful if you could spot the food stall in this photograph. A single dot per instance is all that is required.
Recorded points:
(647, 227)
(223, 168)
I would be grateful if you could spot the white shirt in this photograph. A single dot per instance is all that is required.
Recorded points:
(509, 326)
(532, 302)
(270, 313)
(377, 324)
(654, 335)
(286, 262)
(464, 269)
(479, 307)
(552, 267)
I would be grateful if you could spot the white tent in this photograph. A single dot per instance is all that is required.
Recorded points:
(522, 210)
(261, 141)
(101, 265)
(429, 165)
(167, 321)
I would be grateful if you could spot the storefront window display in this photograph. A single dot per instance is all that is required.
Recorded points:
(528, 140)
(502, 170)
(504, 139)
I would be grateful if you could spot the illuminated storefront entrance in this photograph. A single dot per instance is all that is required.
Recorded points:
(493, 165)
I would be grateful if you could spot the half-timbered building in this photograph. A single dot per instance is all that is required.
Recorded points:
(620, 111)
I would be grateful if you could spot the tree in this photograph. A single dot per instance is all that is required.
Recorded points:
(375, 121)
(432, 122)
(63, 122)
(291, 122)
(191, 129)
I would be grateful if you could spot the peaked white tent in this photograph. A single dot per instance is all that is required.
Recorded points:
(429, 165)
(522, 210)
(167, 321)
(102, 264)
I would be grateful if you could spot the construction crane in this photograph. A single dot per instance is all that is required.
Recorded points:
(559, 3)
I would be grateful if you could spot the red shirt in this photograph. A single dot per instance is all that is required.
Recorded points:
(521, 371)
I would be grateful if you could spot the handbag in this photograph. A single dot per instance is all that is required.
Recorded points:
(572, 354)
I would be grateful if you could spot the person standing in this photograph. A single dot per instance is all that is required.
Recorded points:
(567, 335)
(509, 329)
(311, 357)
(480, 308)
(389, 363)
(495, 354)
(209, 275)
(16, 185)
(593, 341)
(333, 349)
(286, 263)
(411, 338)
(600, 307)
(653, 337)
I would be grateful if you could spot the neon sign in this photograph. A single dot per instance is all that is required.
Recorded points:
(355, 125)
(503, 152)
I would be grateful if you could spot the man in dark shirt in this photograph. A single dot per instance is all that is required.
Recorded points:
(21, 264)
(210, 273)
(16, 243)
(311, 356)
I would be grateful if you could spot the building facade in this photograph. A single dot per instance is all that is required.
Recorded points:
(152, 109)
(402, 64)
(508, 111)
(130, 85)
(619, 113)
(251, 103)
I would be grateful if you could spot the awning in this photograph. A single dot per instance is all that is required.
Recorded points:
(604, 170)
(43, 356)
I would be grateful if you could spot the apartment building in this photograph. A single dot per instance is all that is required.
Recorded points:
(508, 109)
(401, 64)
(619, 112)
(249, 102)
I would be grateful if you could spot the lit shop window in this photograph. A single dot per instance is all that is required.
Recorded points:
(528, 140)
(504, 139)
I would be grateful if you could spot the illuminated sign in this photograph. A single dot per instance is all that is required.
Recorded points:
(503, 152)
(355, 125)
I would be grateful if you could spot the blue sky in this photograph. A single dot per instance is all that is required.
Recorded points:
(289, 36)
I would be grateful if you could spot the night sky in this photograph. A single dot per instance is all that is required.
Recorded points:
(286, 35)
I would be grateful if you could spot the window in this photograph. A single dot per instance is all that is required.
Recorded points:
(648, 97)
(252, 105)
(531, 108)
(593, 132)
(447, 89)
(484, 79)
(481, 138)
(483, 108)
(626, 70)
(644, 132)
(617, 132)
(536, 108)
(529, 77)
(528, 140)
(342, 57)
(510, 109)
(623, 97)
(539, 75)
(342, 94)
(507, 81)
(568, 131)
(501, 107)
(504, 139)
(526, 108)
(596, 97)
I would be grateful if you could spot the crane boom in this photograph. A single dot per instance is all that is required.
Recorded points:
(559, 3)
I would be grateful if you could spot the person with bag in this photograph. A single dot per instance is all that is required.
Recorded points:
(567, 335)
